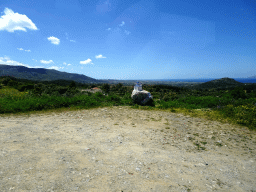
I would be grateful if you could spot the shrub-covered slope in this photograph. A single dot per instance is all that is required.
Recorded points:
(41, 74)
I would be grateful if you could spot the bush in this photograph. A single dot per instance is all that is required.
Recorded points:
(252, 94)
(55, 93)
(6, 80)
(228, 111)
(99, 94)
(62, 90)
(38, 90)
(12, 83)
(71, 92)
(72, 85)
(92, 86)
(237, 93)
(170, 97)
(202, 102)
(113, 98)
(23, 88)
(105, 88)
(119, 85)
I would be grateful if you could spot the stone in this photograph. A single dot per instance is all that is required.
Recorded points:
(140, 96)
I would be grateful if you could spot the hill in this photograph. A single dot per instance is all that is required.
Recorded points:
(223, 83)
(41, 74)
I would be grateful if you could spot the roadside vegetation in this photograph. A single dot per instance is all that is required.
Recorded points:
(235, 105)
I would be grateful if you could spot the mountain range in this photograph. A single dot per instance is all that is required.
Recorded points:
(41, 74)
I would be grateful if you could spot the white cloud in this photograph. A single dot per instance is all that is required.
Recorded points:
(122, 24)
(54, 40)
(99, 56)
(127, 32)
(66, 63)
(34, 60)
(88, 61)
(72, 41)
(55, 67)
(6, 60)
(108, 29)
(14, 21)
(23, 49)
(46, 62)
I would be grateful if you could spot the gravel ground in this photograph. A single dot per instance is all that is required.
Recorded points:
(124, 149)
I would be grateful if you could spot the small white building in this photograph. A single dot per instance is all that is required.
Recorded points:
(142, 96)
(138, 86)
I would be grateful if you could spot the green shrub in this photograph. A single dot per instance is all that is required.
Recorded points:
(12, 83)
(55, 93)
(72, 85)
(105, 88)
(6, 80)
(201, 102)
(71, 92)
(38, 90)
(113, 98)
(170, 97)
(25, 87)
(238, 92)
(127, 100)
(99, 94)
(228, 111)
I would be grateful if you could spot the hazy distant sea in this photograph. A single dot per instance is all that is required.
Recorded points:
(241, 80)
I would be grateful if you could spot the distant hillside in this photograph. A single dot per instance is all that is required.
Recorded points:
(252, 77)
(223, 83)
(41, 74)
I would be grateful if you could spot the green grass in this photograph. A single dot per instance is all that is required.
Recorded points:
(239, 112)
(12, 102)
(243, 114)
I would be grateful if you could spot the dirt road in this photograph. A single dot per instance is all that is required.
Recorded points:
(124, 149)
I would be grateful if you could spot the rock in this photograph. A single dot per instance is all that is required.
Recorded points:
(141, 97)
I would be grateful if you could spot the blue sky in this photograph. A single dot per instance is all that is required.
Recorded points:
(147, 39)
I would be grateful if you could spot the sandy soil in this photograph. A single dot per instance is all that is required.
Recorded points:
(124, 149)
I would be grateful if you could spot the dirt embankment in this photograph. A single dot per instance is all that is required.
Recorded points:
(123, 149)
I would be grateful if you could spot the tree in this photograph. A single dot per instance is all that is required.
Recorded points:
(12, 83)
(122, 90)
(93, 85)
(62, 90)
(119, 85)
(72, 85)
(157, 89)
(38, 90)
(25, 87)
(105, 87)
(6, 80)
